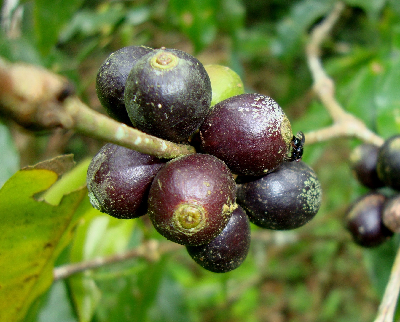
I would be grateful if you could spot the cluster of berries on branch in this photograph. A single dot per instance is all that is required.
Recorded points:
(247, 168)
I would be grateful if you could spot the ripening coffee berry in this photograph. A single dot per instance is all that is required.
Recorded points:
(389, 162)
(168, 94)
(111, 79)
(192, 198)
(229, 249)
(364, 220)
(363, 162)
(391, 214)
(119, 179)
(287, 198)
(225, 82)
(249, 132)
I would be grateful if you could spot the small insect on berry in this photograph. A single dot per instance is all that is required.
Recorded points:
(296, 151)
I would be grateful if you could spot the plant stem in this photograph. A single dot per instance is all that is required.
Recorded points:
(389, 301)
(94, 124)
(345, 124)
(150, 250)
(38, 99)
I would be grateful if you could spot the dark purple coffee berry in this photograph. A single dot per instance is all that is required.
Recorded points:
(229, 249)
(389, 162)
(111, 79)
(364, 220)
(192, 198)
(391, 214)
(363, 162)
(119, 179)
(249, 132)
(287, 198)
(168, 94)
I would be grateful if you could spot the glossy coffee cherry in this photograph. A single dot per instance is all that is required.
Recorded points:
(119, 179)
(287, 198)
(249, 132)
(389, 162)
(168, 94)
(363, 163)
(111, 79)
(229, 249)
(364, 220)
(191, 199)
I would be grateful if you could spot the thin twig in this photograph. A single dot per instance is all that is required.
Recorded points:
(389, 301)
(345, 124)
(150, 250)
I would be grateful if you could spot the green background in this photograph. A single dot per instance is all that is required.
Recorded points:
(314, 273)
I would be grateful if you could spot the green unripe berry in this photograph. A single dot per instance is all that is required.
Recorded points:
(225, 82)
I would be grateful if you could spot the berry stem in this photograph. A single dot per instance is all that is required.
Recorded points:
(94, 124)
(344, 124)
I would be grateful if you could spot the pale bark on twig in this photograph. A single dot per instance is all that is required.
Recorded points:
(387, 308)
(344, 124)
(38, 99)
(150, 250)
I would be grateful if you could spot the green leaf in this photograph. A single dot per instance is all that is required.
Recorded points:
(231, 16)
(170, 303)
(98, 235)
(379, 263)
(9, 157)
(361, 95)
(19, 49)
(372, 8)
(50, 16)
(57, 306)
(292, 29)
(31, 232)
(86, 295)
(395, 4)
(86, 23)
(197, 19)
(149, 283)
(72, 180)
(387, 98)
(131, 296)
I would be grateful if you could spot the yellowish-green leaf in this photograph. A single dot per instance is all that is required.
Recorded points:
(30, 232)
(72, 180)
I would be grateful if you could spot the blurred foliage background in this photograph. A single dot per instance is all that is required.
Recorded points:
(314, 273)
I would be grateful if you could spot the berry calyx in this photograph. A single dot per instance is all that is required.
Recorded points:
(192, 198)
(188, 216)
(168, 94)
